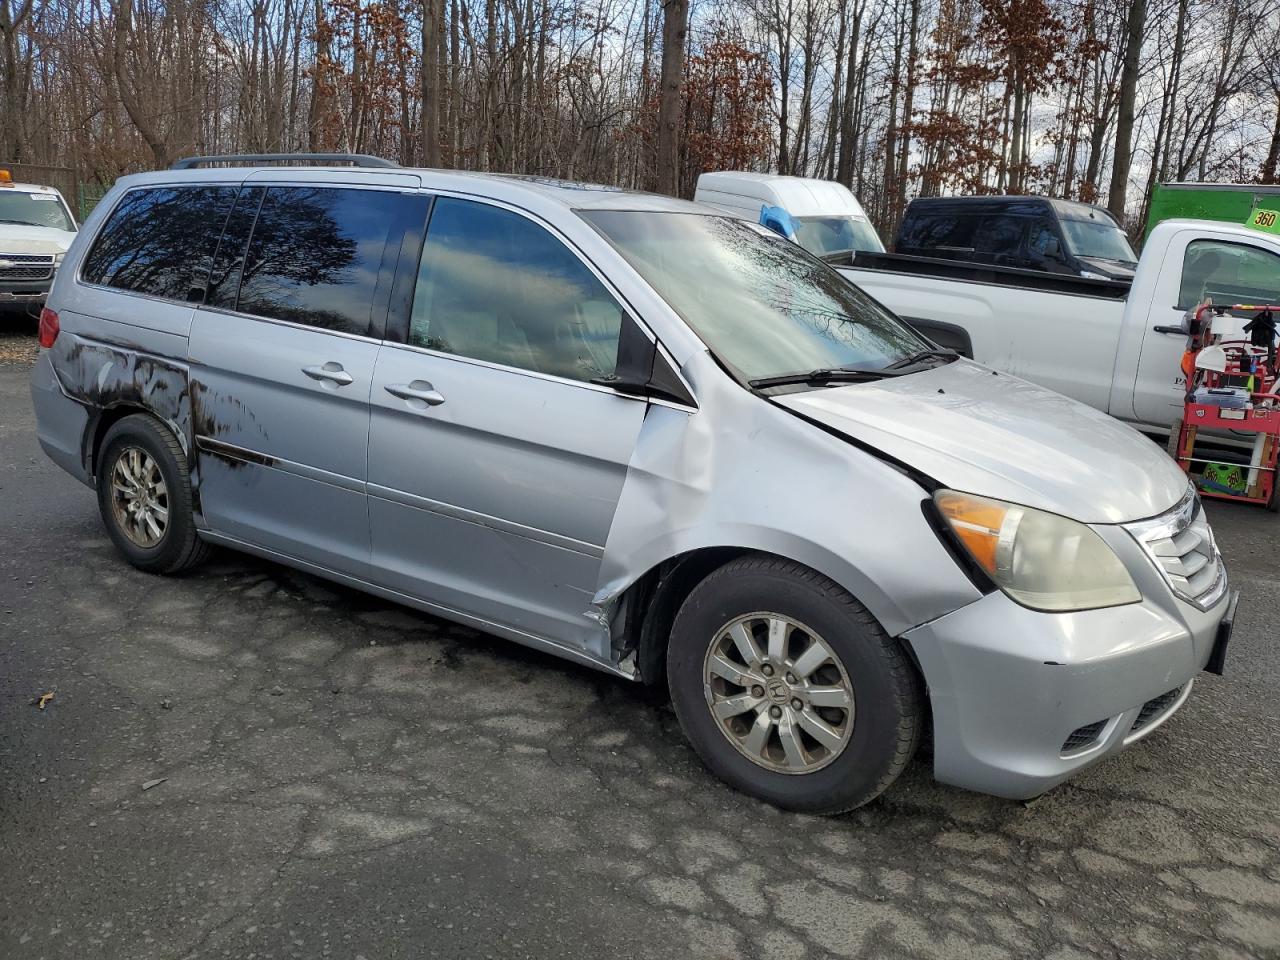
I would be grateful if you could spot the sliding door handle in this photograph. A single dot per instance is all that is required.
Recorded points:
(417, 390)
(330, 371)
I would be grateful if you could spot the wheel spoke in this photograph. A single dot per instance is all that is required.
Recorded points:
(778, 630)
(733, 706)
(790, 738)
(820, 730)
(153, 528)
(745, 643)
(755, 742)
(811, 659)
(722, 666)
(829, 697)
(161, 513)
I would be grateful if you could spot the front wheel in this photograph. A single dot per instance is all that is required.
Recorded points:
(790, 690)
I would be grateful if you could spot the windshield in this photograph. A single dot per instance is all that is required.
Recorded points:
(34, 209)
(762, 304)
(1098, 238)
(826, 235)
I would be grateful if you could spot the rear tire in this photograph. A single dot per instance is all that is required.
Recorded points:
(144, 494)
(861, 746)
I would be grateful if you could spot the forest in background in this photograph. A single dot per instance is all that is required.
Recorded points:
(1085, 99)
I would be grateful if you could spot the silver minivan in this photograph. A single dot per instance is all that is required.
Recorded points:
(641, 435)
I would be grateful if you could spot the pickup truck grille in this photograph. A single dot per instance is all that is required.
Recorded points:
(1181, 545)
(25, 266)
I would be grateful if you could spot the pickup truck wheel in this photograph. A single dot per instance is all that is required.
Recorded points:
(144, 494)
(790, 690)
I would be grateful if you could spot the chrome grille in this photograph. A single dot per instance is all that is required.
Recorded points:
(1181, 545)
(25, 266)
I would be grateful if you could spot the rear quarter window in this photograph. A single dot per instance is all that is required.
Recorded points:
(159, 241)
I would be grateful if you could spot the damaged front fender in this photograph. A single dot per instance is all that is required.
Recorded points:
(743, 473)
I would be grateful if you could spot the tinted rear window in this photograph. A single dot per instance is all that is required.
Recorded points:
(316, 254)
(160, 241)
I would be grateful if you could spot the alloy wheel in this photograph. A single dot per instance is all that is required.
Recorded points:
(778, 693)
(139, 497)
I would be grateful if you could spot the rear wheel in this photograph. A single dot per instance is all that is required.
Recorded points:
(144, 494)
(790, 690)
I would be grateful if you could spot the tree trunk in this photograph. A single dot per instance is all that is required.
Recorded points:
(1124, 116)
(430, 121)
(675, 26)
(1273, 151)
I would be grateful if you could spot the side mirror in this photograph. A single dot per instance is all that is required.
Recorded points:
(1052, 249)
(779, 221)
(641, 370)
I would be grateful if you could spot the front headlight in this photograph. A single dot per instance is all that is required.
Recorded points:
(57, 259)
(1039, 559)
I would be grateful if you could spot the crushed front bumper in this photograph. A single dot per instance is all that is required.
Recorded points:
(1022, 699)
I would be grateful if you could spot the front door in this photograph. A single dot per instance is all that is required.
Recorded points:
(282, 362)
(495, 464)
(1196, 267)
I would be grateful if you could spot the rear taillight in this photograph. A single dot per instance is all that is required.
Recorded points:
(48, 327)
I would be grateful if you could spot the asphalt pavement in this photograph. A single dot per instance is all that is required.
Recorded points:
(250, 762)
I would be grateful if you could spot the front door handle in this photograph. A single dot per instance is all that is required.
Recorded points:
(1158, 328)
(417, 390)
(330, 371)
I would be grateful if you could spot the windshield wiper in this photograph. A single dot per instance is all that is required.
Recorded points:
(820, 376)
(920, 356)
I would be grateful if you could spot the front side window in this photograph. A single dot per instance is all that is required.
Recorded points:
(160, 241)
(316, 254)
(495, 286)
(34, 209)
(763, 305)
(1228, 273)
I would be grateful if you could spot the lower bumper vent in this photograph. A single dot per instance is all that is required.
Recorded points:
(1153, 708)
(1083, 736)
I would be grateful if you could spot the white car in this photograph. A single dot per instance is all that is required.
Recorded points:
(36, 228)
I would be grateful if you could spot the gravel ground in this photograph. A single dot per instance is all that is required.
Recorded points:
(17, 337)
(250, 762)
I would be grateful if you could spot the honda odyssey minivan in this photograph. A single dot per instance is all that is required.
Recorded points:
(641, 435)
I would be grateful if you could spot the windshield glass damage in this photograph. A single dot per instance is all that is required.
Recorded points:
(762, 304)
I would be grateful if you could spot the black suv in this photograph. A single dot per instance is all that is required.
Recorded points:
(1032, 233)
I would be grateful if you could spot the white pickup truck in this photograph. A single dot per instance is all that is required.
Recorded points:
(1113, 346)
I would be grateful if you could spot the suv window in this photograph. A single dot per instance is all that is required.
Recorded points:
(938, 231)
(315, 256)
(1229, 273)
(998, 239)
(495, 286)
(160, 241)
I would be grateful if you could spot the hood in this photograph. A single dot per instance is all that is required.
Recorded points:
(1109, 268)
(997, 436)
(28, 238)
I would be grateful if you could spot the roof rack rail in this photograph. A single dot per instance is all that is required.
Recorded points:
(355, 159)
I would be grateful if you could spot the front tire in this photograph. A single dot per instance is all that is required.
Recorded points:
(790, 690)
(144, 494)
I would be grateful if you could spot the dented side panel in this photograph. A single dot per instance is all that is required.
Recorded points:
(742, 472)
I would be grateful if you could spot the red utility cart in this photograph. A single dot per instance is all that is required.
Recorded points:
(1261, 418)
